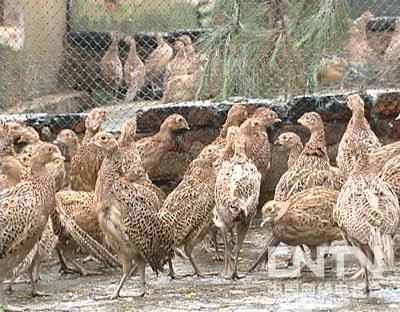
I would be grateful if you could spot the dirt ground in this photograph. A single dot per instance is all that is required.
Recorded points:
(256, 292)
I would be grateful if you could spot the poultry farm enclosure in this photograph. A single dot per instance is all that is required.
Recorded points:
(171, 126)
(70, 56)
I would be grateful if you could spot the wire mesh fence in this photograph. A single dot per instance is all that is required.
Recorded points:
(69, 56)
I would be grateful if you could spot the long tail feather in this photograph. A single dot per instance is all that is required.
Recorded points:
(88, 243)
(382, 247)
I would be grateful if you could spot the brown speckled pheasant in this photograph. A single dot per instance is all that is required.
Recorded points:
(86, 163)
(134, 71)
(235, 117)
(77, 207)
(237, 114)
(293, 143)
(312, 168)
(24, 211)
(258, 148)
(152, 149)
(45, 246)
(179, 84)
(367, 212)
(156, 63)
(191, 203)
(110, 64)
(358, 130)
(132, 162)
(43, 250)
(237, 191)
(68, 143)
(129, 218)
(306, 218)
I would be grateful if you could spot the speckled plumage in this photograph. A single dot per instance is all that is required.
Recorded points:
(237, 114)
(156, 63)
(110, 64)
(306, 218)
(24, 211)
(132, 162)
(152, 149)
(86, 163)
(391, 174)
(312, 168)
(237, 191)
(68, 143)
(134, 71)
(358, 130)
(191, 203)
(128, 216)
(293, 143)
(367, 212)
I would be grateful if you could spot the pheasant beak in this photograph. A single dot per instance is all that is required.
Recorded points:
(265, 221)
(398, 117)
(277, 120)
(186, 126)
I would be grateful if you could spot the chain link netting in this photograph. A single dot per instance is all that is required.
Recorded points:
(63, 56)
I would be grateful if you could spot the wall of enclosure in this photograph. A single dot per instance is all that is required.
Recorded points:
(67, 56)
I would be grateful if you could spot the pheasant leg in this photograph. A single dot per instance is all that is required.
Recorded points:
(228, 254)
(64, 269)
(241, 234)
(171, 273)
(35, 261)
(366, 289)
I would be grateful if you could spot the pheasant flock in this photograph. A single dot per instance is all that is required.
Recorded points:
(95, 195)
(177, 73)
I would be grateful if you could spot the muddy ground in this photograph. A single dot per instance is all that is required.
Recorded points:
(256, 292)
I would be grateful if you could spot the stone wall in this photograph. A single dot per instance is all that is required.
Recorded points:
(206, 118)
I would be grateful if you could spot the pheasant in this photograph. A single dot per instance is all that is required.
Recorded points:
(24, 211)
(110, 64)
(312, 167)
(367, 212)
(11, 170)
(237, 114)
(306, 218)
(48, 240)
(152, 149)
(134, 71)
(86, 164)
(179, 85)
(237, 191)
(68, 143)
(156, 63)
(129, 217)
(191, 203)
(132, 162)
(358, 130)
(293, 143)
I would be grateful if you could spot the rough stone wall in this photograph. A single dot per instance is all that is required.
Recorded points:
(206, 118)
